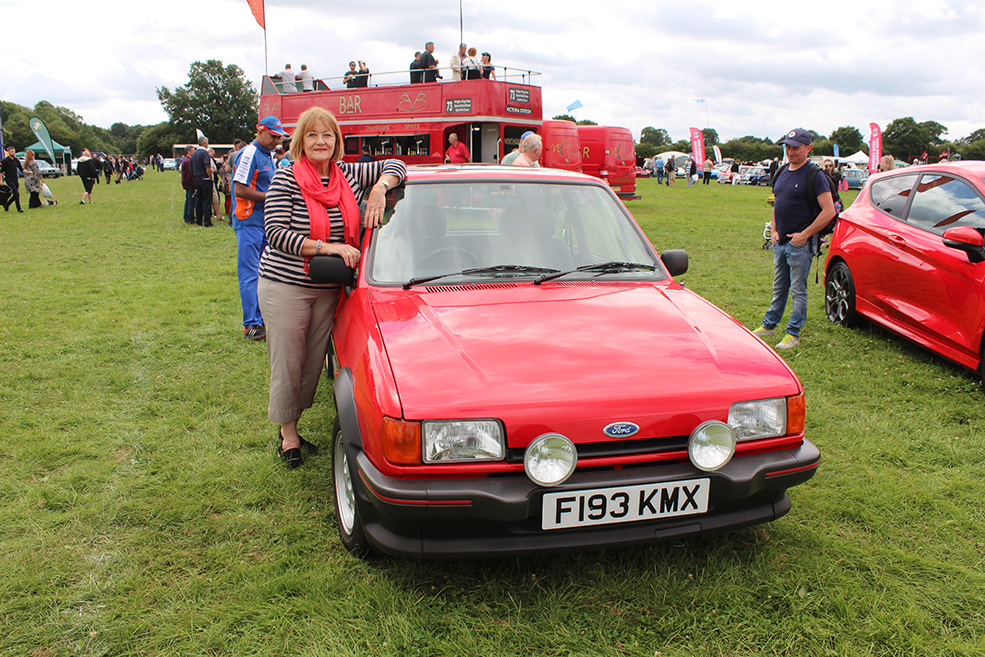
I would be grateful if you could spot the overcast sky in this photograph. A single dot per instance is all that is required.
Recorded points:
(761, 67)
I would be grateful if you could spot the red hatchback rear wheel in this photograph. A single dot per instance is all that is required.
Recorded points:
(839, 296)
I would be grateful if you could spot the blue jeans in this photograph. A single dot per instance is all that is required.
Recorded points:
(791, 266)
(251, 241)
(189, 205)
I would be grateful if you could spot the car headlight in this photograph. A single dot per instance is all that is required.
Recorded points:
(463, 440)
(763, 418)
(711, 445)
(550, 459)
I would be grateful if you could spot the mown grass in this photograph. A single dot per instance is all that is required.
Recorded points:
(144, 512)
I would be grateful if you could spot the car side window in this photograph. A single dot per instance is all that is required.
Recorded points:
(891, 194)
(943, 202)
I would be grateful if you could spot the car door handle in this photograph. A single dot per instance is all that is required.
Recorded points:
(897, 241)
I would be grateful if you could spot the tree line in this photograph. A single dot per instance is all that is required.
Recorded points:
(903, 138)
(218, 100)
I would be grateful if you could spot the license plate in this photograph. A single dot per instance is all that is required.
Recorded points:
(604, 506)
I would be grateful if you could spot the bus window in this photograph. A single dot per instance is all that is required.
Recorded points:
(412, 144)
(379, 146)
(352, 145)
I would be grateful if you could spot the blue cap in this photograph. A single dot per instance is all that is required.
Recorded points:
(272, 124)
(798, 136)
(527, 134)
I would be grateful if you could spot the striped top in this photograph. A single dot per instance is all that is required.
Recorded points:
(286, 222)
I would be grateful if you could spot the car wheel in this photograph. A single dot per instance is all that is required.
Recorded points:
(346, 511)
(839, 296)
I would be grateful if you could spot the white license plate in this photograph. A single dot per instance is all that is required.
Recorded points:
(603, 506)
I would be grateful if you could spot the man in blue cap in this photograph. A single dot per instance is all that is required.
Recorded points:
(515, 153)
(802, 206)
(251, 179)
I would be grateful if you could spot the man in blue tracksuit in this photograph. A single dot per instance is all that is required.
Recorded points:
(251, 179)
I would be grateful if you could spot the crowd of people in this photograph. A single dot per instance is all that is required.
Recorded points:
(465, 64)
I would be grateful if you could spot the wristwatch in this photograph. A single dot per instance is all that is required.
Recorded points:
(318, 244)
(384, 183)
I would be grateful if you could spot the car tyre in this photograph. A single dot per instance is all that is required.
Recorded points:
(839, 296)
(346, 510)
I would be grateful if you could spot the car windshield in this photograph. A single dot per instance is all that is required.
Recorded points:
(470, 231)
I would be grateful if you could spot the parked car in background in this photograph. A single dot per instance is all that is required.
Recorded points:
(755, 175)
(48, 170)
(856, 177)
(467, 356)
(170, 164)
(642, 173)
(909, 255)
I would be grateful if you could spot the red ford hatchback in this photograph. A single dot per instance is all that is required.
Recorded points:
(909, 255)
(516, 371)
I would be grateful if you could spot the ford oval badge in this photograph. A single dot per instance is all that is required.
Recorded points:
(621, 429)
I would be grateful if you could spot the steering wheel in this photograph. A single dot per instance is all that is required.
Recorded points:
(450, 254)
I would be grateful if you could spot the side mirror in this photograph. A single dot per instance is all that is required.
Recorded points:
(675, 261)
(967, 239)
(330, 269)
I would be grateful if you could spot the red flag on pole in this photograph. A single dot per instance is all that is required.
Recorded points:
(697, 147)
(257, 7)
(875, 147)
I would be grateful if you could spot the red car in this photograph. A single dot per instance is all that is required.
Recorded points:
(516, 372)
(908, 255)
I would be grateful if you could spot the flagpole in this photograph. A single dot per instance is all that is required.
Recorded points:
(461, 24)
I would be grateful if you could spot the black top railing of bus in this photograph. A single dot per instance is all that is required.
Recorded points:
(272, 84)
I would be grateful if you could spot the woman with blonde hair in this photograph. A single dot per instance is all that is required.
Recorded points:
(311, 208)
(32, 179)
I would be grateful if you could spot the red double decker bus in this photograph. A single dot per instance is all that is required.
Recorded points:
(412, 121)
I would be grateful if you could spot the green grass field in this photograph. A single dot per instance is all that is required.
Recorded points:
(145, 513)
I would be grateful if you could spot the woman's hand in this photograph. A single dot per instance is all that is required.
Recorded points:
(350, 254)
(375, 205)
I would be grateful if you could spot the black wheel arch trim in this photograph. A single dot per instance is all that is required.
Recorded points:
(345, 406)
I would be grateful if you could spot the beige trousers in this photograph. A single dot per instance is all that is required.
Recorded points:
(298, 322)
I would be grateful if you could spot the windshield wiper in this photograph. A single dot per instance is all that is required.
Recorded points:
(478, 271)
(601, 268)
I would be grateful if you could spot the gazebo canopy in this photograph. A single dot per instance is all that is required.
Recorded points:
(39, 150)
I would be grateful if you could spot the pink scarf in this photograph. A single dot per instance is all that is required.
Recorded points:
(318, 197)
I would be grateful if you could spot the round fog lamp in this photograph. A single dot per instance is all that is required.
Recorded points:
(711, 445)
(550, 459)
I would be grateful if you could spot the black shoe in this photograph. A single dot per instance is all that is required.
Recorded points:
(291, 457)
(310, 447)
(255, 333)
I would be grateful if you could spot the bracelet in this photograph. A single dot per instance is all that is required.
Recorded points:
(318, 244)
(384, 183)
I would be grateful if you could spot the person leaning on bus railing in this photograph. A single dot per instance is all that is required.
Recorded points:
(311, 208)
(287, 80)
(429, 65)
(488, 70)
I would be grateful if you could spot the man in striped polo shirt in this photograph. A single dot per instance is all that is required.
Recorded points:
(251, 179)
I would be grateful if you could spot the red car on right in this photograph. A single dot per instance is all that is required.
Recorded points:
(909, 254)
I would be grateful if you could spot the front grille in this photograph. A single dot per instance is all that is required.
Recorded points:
(615, 449)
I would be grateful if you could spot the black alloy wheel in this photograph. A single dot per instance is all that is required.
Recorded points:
(839, 296)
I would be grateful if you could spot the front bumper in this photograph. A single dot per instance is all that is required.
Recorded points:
(499, 516)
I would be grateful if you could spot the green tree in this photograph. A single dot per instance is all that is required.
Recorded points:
(218, 100)
(711, 137)
(973, 151)
(565, 117)
(904, 139)
(849, 140)
(977, 135)
(657, 137)
(159, 138)
(934, 131)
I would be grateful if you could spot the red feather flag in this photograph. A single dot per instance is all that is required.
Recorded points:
(257, 7)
